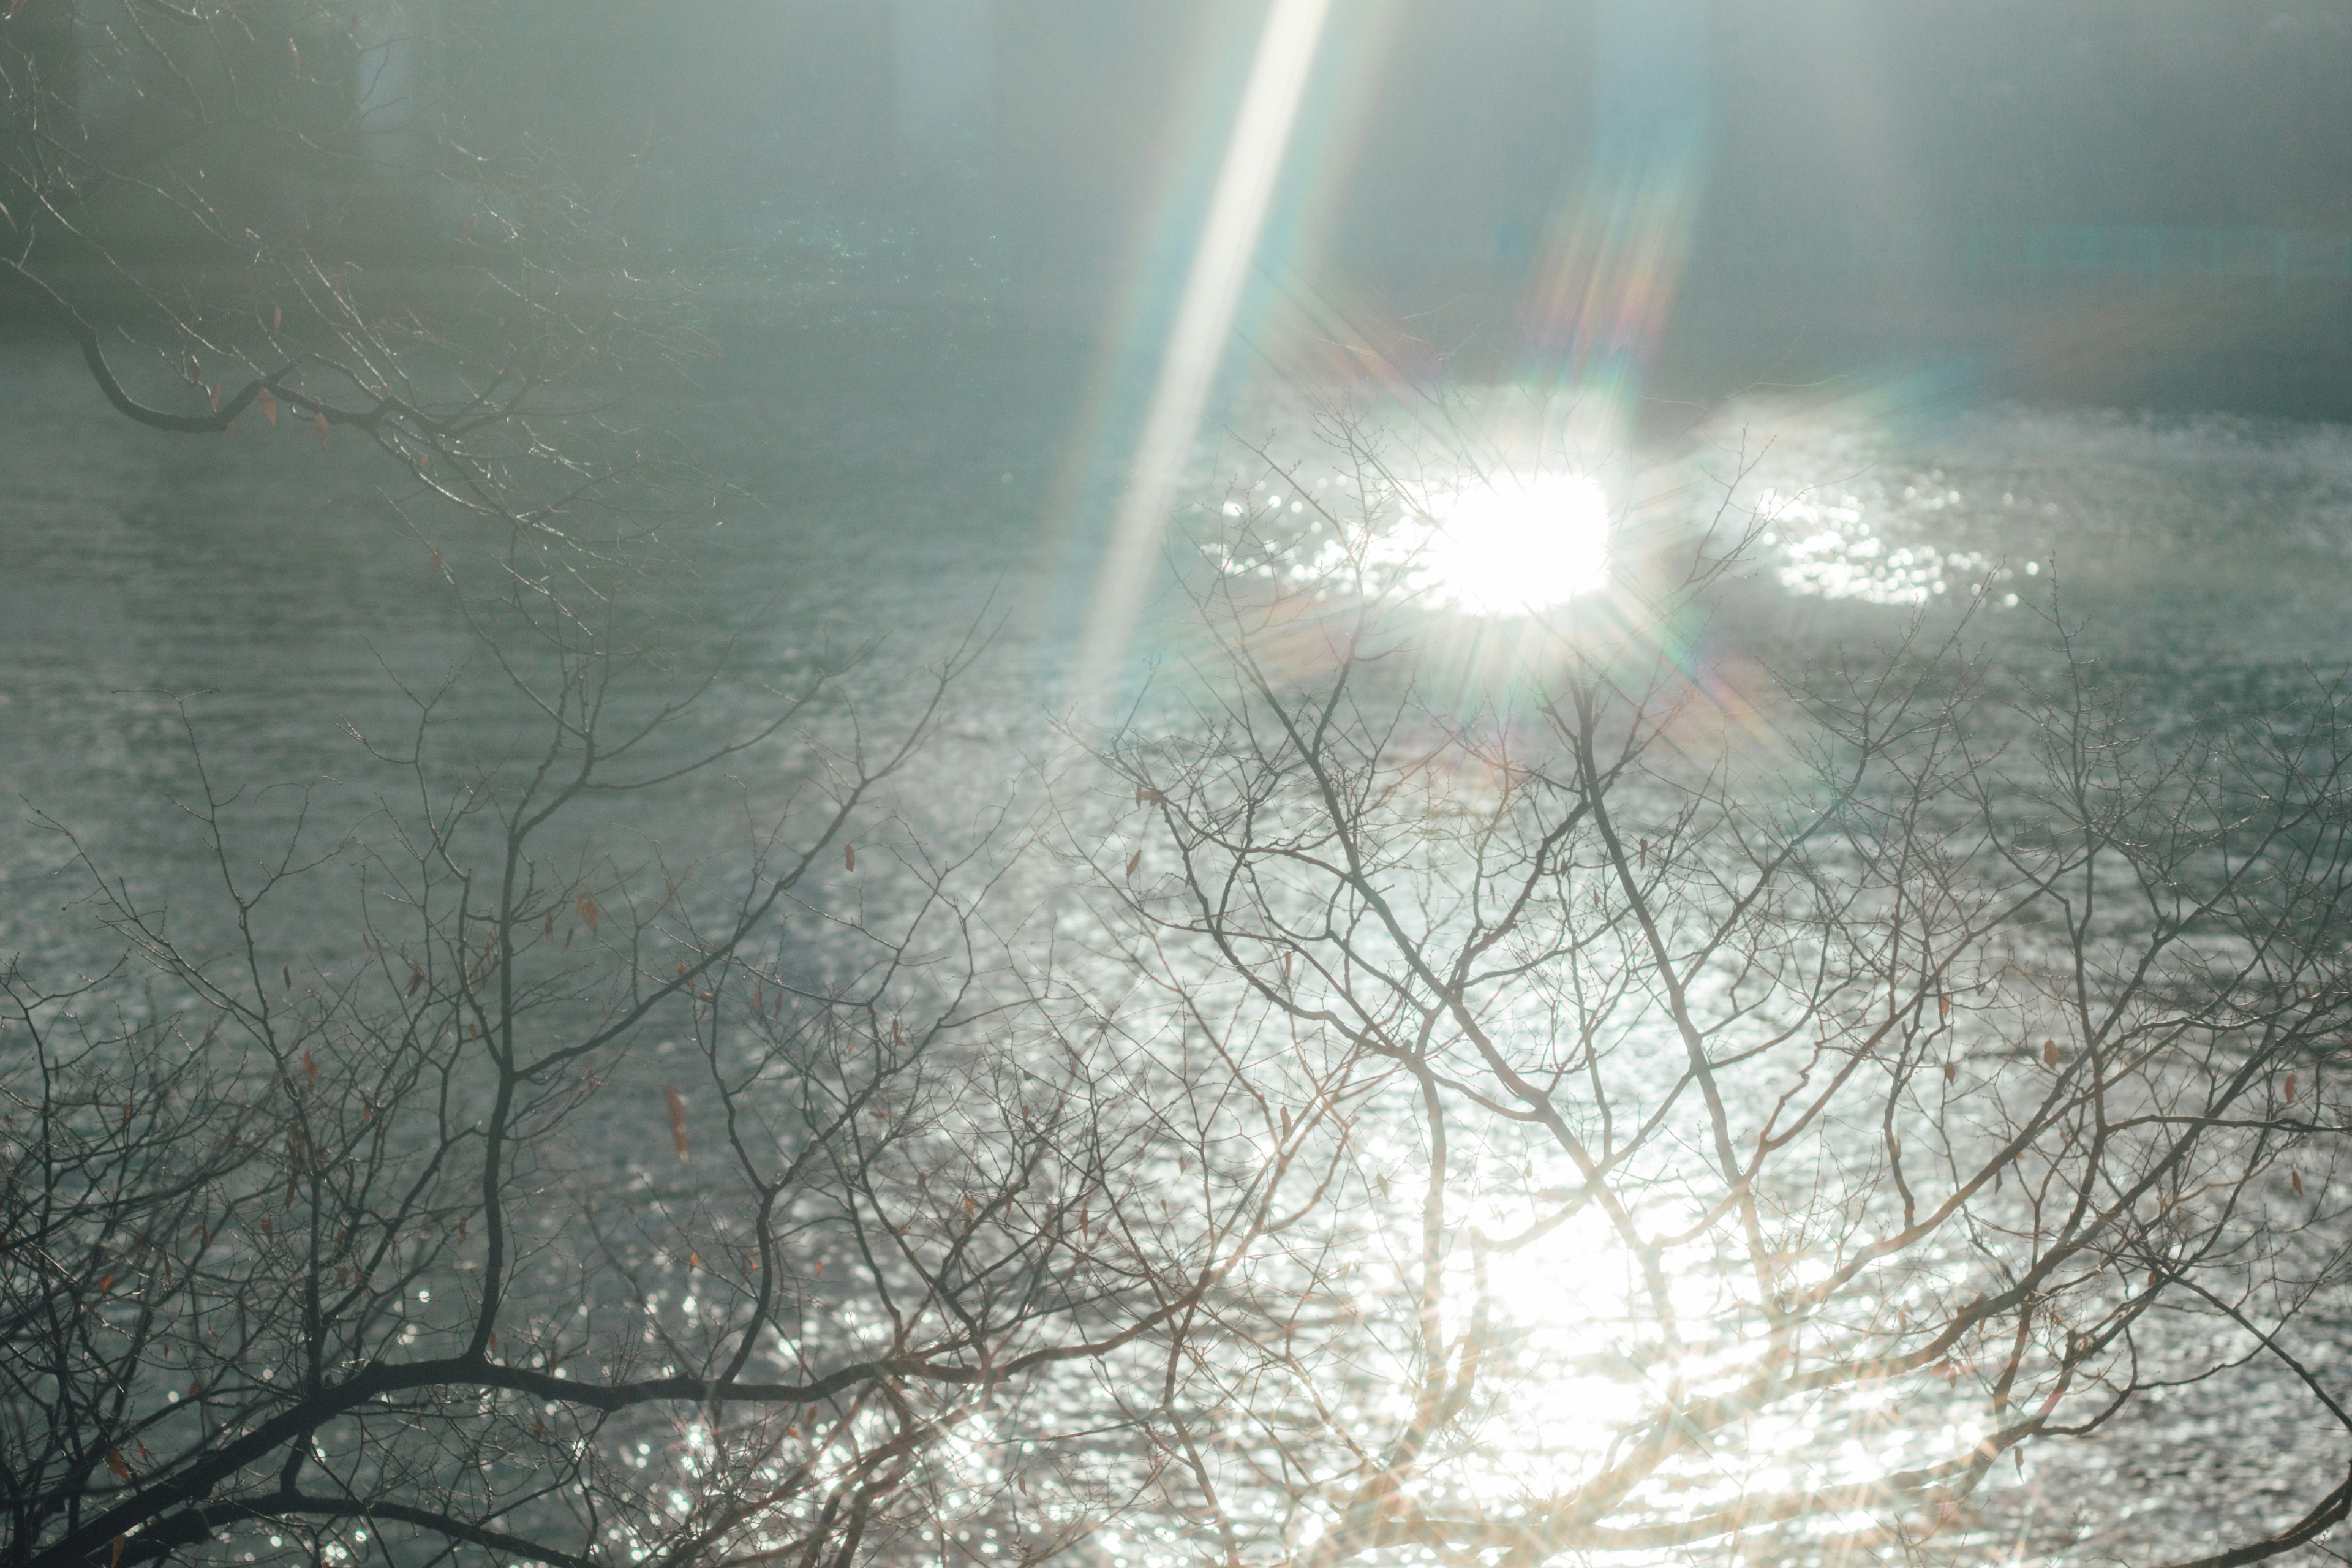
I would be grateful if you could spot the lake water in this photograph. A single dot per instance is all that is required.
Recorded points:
(263, 580)
(267, 575)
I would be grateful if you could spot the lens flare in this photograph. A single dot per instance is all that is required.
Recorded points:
(1196, 345)
(1508, 546)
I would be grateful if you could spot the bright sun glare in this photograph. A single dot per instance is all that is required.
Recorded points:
(1509, 546)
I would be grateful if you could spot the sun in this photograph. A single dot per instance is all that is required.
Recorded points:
(1510, 545)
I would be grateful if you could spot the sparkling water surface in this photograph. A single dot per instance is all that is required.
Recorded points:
(261, 587)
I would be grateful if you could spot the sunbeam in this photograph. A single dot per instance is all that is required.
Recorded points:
(1196, 345)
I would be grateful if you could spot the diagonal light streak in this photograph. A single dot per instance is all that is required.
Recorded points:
(1196, 344)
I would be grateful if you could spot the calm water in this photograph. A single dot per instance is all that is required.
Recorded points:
(264, 580)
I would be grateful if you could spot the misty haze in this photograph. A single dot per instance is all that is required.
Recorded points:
(1175, 784)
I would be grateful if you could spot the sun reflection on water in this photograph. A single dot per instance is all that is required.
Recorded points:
(1488, 545)
(1502, 545)
(1577, 1367)
(1829, 548)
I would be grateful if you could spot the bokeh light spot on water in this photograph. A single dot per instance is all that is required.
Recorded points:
(1828, 549)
